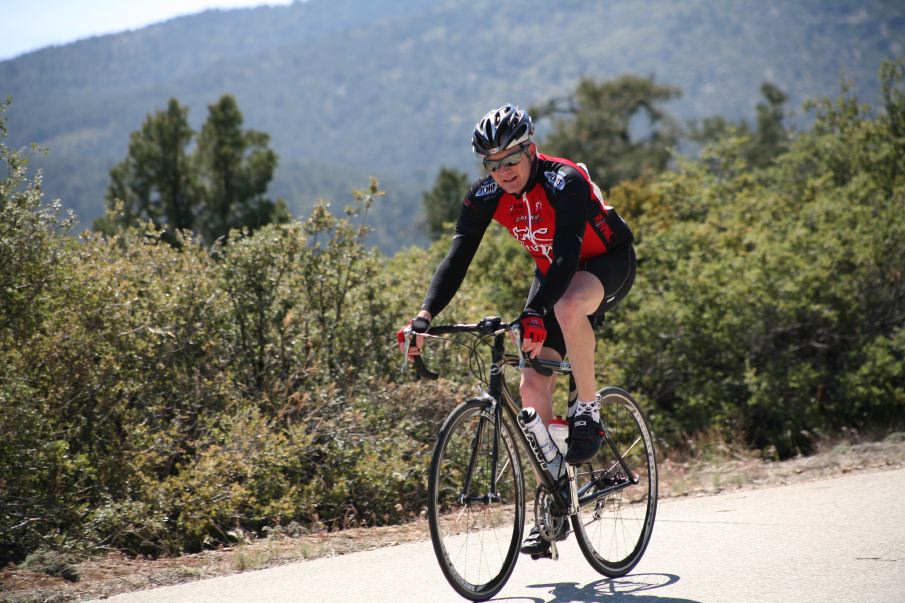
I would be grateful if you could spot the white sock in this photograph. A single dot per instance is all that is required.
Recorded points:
(588, 408)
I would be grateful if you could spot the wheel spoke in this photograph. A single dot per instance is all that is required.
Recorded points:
(614, 525)
(475, 532)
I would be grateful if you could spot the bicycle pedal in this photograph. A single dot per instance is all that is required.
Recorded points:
(551, 553)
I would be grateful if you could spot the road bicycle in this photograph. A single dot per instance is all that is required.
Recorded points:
(476, 490)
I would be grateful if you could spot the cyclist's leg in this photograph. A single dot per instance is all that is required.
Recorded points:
(535, 389)
(598, 285)
(581, 299)
(616, 270)
(537, 392)
(605, 279)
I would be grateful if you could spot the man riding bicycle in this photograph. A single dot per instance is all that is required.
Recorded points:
(585, 266)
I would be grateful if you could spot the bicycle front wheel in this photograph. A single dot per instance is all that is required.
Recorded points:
(476, 501)
(617, 489)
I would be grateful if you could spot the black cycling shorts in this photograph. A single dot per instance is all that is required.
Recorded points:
(616, 271)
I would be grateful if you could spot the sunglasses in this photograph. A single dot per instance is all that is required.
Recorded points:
(492, 165)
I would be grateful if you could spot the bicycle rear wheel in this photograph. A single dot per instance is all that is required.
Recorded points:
(615, 521)
(475, 528)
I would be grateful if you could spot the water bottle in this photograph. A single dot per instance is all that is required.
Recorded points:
(545, 444)
(559, 431)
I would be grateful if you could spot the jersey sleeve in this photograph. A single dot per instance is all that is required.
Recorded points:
(474, 217)
(570, 196)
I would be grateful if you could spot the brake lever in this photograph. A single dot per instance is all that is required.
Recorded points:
(523, 360)
(517, 329)
(417, 361)
(405, 350)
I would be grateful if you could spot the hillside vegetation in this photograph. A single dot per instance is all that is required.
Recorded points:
(391, 88)
(156, 398)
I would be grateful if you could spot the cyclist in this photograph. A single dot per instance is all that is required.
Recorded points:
(585, 266)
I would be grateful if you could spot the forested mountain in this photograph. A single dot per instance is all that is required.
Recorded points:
(391, 88)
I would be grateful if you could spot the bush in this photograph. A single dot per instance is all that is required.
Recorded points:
(769, 301)
(155, 398)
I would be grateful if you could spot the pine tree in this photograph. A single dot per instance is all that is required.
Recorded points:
(235, 167)
(219, 187)
(155, 182)
(617, 128)
(442, 202)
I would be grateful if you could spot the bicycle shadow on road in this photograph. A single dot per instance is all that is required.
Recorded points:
(628, 589)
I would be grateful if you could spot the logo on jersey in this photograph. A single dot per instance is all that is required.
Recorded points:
(487, 189)
(537, 241)
(518, 209)
(556, 179)
(603, 228)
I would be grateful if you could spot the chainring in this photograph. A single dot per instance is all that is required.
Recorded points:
(548, 524)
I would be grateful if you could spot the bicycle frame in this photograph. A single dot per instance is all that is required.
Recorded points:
(499, 397)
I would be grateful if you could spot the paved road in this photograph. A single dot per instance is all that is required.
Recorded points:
(840, 540)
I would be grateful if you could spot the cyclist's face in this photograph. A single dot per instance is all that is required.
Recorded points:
(513, 178)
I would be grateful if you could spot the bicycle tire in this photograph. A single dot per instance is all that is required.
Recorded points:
(476, 543)
(613, 531)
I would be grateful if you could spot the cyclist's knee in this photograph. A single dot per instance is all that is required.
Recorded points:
(572, 313)
(582, 298)
(535, 386)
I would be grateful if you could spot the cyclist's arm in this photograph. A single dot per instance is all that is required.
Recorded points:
(571, 205)
(473, 220)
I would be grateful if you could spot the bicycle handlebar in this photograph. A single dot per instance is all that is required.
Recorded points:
(423, 371)
(491, 325)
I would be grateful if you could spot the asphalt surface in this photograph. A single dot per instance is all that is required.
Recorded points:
(840, 540)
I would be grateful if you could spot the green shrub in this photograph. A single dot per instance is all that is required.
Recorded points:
(769, 301)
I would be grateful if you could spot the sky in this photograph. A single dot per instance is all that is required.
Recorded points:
(27, 25)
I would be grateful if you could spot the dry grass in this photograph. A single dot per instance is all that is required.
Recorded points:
(721, 468)
(711, 469)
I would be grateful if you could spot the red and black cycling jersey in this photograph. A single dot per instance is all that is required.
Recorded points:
(561, 219)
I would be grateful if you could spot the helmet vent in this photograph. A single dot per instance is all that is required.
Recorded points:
(500, 129)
